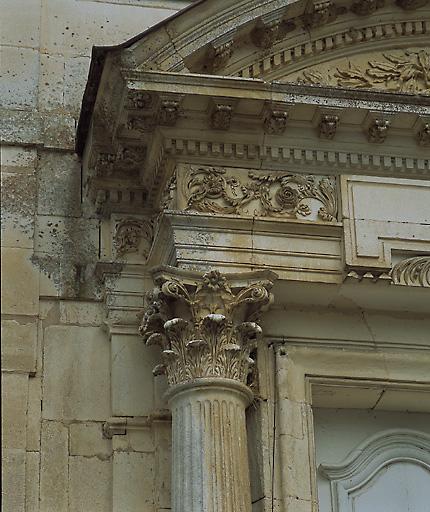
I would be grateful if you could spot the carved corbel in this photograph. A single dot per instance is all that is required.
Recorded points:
(221, 116)
(265, 33)
(206, 325)
(275, 119)
(219, 53)
(142, 124)
(410, 5)
(423, 135)
(366, 7)
(139, 99)
(169, 111)
(327, 126)
(378, 130)
(319, 14)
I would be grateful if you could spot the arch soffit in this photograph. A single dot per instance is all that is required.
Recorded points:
(368, 42)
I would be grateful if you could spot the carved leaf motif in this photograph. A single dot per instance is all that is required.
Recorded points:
(212, 190)
(409, 72)
(216, 336)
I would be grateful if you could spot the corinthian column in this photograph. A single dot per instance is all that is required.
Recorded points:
(207, 327)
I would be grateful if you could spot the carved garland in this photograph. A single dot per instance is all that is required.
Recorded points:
(211, 190)
(216, 331)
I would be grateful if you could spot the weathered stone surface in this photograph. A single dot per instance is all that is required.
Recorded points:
(133, 482)
(163, 463)
(59, 184)
(54, 467)
(14, 410)
(18, 23)
(20, 283)
(13, 480)
(82, 313)
(76, 383)
(141, 440)
(90, 485)
(19, 345)
(132, 379)
(87, 439)
(18, 197)
(32, 482)
(34, 413)
(20, 71)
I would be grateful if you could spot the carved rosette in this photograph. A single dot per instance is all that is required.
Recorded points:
(206, 326)
(412, 272)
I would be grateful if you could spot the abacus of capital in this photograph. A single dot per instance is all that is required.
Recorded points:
(207, 327)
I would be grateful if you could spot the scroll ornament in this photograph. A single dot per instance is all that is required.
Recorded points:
(412, 272)
(212, 190)
(205, 328)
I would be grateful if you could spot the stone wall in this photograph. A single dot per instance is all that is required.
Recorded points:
(55, 354)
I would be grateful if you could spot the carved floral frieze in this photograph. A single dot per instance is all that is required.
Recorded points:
(214, 190)
(412, 272)
(133, 235)
(406, 72)
(206, 327)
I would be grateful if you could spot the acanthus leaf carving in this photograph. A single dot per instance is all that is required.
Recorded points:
(265, 33)
(216, 330)
(409, 72)
(212, 190)
(412, 272)
(218, 56)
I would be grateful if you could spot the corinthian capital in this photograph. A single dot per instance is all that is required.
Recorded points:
(206, 325)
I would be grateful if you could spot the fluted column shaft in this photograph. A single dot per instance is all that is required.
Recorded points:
(210, 457)
(206, 326)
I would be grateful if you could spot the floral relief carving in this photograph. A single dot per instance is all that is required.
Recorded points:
(131, 234)
(410, 5)
(206, 327)
(412, 272)
(409, 72)
(213, 190)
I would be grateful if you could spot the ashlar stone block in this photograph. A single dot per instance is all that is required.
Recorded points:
(54, 467)
(19, 346)
(133, 482)
(32, 482)
(13, 481)
(76, 385)
(90, 485)
(86, 439)
(20, 283)
(14, 410)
